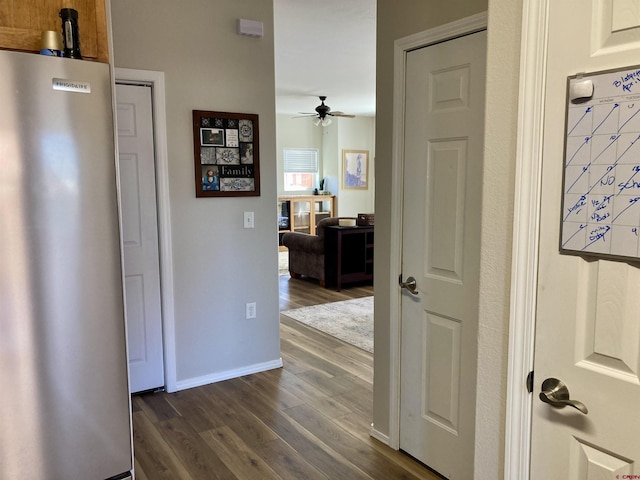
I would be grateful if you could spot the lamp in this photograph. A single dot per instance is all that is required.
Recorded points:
(324, 121)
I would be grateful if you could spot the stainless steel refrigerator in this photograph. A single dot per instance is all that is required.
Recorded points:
(64, 400)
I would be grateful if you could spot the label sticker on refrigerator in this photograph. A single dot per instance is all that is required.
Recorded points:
(71, 85)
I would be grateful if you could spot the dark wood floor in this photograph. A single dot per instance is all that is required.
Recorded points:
(307, 420)
(303, 292)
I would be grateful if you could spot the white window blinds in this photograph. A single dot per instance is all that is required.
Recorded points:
(300, 160)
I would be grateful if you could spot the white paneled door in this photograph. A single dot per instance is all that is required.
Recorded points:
(588, 313)
(140, 236)
(443, 152)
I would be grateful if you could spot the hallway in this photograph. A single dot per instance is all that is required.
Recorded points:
(308, 420)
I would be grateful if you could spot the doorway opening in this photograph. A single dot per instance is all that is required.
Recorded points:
(316, 142)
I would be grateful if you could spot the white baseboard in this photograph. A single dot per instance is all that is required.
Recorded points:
(381, 437)
(227, 375)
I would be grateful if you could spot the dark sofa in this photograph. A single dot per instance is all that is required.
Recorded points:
(306, 252)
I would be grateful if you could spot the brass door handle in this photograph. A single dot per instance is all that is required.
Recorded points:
(409, 285)
(555, 393)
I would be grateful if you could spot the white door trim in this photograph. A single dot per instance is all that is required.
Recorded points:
(402, 46)
(526, 225)
(156, 81)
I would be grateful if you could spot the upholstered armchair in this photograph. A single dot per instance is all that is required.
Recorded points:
(306, 252)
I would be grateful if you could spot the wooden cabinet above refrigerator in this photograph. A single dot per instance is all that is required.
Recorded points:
(22, 24)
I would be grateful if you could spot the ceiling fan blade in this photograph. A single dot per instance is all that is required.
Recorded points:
(340, 114)
(306, 115)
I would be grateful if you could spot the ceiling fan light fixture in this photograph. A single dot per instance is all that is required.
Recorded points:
(322, 115)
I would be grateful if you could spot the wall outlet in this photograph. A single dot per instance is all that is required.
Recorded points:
(251, 310)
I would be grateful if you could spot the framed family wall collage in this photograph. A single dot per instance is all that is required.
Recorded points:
(226, 154)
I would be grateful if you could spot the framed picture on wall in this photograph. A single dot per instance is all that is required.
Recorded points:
(213, 137)
(226, 154)
(355, 169)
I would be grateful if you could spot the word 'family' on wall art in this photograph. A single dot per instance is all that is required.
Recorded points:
(226, 154)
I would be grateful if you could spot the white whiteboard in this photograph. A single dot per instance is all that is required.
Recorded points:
(601, 187)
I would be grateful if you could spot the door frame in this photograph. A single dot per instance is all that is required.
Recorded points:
(155, 80)
(402, 47)
(526, 226)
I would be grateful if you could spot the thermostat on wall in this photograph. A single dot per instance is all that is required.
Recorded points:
(252, 28)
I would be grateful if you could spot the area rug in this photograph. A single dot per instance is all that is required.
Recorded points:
(349, 320)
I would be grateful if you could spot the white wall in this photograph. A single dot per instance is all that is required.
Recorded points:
(354, 134)
(343, 133)
(331, 161)
(295, 133)
(218, 265)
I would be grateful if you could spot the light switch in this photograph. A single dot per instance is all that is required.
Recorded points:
(248, 219)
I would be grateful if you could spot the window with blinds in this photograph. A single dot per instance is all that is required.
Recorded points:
(300, 169)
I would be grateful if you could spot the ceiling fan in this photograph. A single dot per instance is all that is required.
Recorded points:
(323, 112)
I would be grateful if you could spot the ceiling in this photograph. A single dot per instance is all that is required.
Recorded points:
(325, 47)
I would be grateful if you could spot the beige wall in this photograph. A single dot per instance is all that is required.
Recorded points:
(218, 265)
(503, 64)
